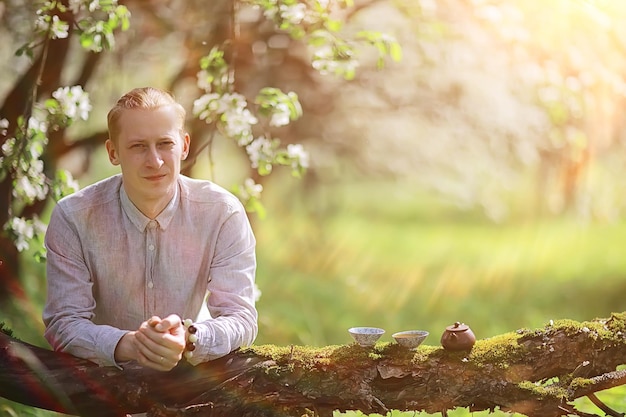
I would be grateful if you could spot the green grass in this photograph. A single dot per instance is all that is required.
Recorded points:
(387, 256)
(370, 262)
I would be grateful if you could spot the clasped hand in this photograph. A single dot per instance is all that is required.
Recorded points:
(158, 343)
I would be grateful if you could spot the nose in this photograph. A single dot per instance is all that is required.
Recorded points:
(153, 158)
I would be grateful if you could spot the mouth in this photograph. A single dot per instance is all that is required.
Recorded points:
(155, 177)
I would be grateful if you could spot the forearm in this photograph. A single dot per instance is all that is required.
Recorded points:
(82, 338)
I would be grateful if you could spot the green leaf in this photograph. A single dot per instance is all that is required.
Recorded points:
(333, 25)
(395, 51)
(124, 15)
(24, 49)
(86, 40)
(265, 169)
(253, 205)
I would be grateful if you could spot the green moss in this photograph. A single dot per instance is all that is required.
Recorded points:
(578, 383)
(498, 350)
(617, 322)
(541, 391)
(423, 353)
(600, 329)
(312, 357)
(609, 329)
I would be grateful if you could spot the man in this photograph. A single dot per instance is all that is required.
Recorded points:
(132, 256)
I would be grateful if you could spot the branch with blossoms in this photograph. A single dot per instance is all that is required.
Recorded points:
(21, 160)
(24, 143)
(95, 22)
(228, 111)
(234, 118)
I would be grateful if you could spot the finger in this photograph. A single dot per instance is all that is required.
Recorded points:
(154, 344)
(160, 363)
(169, 323)
(169, 339)
(153, 321)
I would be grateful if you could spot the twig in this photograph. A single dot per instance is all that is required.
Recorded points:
(571, 410)
(607, 410)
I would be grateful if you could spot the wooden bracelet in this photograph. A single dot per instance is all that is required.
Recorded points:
(190, 331)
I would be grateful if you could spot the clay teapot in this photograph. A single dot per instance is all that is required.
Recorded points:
(458, 337)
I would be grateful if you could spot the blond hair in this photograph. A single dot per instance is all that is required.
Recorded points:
(145, 98)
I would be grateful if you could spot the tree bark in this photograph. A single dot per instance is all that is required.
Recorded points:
(534, 373)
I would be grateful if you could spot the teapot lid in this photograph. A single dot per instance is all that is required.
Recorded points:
(458, 327)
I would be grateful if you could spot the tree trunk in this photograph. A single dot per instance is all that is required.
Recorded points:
(535, 373)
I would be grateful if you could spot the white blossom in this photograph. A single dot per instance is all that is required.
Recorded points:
(36, 149)
(325, 62)
(251, 189)
(203, 81)
(57, 27)
(77, 6)
(298, 154)
(74, 102)
(238, 125)
(230, 109)
(25, 230)
(7, 147)
(280, 115)
(30, 188)
(207, 106)
(35, 168)
(259, 149)
(4, 125)
(36, 126)
(95, 5)
(294, 14)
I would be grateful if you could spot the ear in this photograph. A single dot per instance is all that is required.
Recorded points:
(112, 152)
(186, 142)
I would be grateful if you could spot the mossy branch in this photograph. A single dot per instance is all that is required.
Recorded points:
(532, 372)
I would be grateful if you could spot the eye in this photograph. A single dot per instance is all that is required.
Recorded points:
(166, 144)
(137, 146)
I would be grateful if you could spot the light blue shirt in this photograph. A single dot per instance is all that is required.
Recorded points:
(110, 268)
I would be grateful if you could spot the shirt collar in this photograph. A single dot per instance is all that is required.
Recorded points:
(140, 220)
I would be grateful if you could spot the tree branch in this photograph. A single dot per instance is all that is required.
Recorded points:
(534, 373)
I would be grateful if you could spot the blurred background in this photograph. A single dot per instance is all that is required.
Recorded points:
(479, 179)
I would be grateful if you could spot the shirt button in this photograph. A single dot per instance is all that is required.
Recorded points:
(151, 247)
(150, 284)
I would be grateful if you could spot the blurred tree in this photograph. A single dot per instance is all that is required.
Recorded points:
(490, 94)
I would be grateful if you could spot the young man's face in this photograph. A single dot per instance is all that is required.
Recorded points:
(149, 149)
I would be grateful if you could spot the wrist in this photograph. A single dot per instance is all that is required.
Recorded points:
(125, 348)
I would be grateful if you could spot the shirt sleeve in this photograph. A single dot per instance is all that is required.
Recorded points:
(69, 308)
(231, 301)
